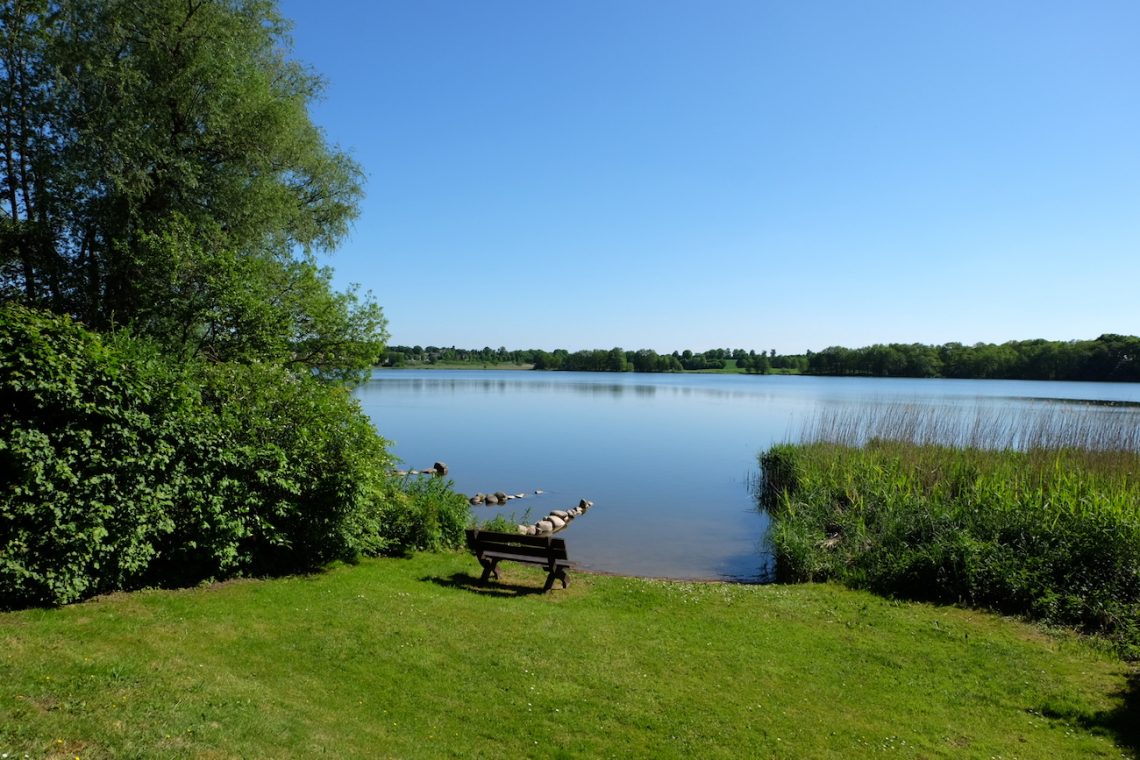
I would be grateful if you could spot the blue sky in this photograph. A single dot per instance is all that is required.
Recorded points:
(788, 175)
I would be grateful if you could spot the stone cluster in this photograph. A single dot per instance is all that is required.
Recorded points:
(439, 469)
(498, 497)
(556, 520)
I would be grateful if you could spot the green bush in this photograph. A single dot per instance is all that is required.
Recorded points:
(1053, 534)
(87, 432)
(423, 514)
(121, 468)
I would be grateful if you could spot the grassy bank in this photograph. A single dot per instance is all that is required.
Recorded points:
(1051, 530)
(408, 658)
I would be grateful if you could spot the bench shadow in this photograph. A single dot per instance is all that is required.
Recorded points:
(471, 583)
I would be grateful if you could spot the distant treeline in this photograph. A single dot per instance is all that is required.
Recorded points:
(598, 360)
(1109, 357)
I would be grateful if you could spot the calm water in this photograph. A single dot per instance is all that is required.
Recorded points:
(667, 459)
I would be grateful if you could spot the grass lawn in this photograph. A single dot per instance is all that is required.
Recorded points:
(409, 658)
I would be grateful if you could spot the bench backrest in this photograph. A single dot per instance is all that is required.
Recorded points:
(545, 547)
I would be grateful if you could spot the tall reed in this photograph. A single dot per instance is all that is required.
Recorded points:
(1020, 427)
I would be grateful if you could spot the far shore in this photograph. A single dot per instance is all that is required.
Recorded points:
(729, 370)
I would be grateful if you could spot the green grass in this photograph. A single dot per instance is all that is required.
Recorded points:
(409, 658)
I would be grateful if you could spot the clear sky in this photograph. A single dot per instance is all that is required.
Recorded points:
(748, 174)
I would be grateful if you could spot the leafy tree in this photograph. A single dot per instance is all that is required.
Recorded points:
(161, 182)
(161, 172)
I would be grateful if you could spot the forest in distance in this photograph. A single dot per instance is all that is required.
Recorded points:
(1108, 358)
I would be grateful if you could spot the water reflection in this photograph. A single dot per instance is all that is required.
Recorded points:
(667, 459)
(390, 380)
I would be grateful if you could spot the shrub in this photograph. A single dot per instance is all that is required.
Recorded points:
(1052, 534)
(422, 514)
(87, 431)
(121, 468)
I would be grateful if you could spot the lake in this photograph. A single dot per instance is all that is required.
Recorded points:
(668, 460)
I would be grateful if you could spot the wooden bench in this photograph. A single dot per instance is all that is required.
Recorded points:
(490, 548)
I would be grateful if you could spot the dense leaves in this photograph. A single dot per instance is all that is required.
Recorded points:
(1054, 534)
(162, 185)
(121, 468)
(160, 172)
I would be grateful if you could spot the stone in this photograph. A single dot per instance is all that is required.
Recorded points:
(557, 522)
(440, 469)
(559, 513)
(538, 490)
(520, 495)
(531, 530)
(492, 499)
(584, 505)
(523, 529)
(502, 497)
(543, 526)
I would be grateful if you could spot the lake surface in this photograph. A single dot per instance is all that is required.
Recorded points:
(668, 460)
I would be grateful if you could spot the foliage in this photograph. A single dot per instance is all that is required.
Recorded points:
(422, 514)
(412, 658)
(1108, 358)
(88, 435)
(162, 183)
(161, 173)
(1050, 533)
(504, 522)
(122, 468)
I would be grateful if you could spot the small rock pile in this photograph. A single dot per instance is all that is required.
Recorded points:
(555, 521)
(439, 469)
(498, 497)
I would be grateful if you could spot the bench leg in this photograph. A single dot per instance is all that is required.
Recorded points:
(489, 568)
(560, 574)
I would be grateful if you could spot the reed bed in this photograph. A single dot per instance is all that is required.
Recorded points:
(1034, 511)
(1017, 426)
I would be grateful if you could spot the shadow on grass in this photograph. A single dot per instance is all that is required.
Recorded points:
(1124, 721)
(467, 582)
(1121, 723)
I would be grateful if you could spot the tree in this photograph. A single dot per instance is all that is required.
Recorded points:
(161, 172)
